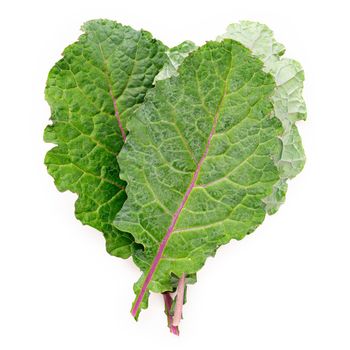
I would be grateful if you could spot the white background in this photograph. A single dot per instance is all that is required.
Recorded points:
(285, 287)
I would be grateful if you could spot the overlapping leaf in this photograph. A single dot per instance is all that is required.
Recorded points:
(287, 99)
(92, 91)
(176, 55)
(199, 160)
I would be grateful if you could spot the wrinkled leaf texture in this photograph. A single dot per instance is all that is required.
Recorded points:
(228, 112)
(209, 153)
(92, 91)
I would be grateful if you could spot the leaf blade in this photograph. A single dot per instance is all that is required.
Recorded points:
(185, 100)
(92, 91)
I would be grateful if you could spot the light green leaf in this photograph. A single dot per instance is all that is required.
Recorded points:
(101, 79)
(288, 102)
(199, 160)
(176, 55)
(258, 38)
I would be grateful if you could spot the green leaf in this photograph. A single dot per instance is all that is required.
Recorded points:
(199, 160)
(92, 91)
(288, 101)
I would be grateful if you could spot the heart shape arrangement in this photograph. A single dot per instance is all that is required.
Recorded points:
(173, 152)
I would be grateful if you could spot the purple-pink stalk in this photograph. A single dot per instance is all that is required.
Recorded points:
(168, 301)
(179, 301)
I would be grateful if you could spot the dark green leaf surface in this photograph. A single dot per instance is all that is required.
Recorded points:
(199, 160)
(92, 91)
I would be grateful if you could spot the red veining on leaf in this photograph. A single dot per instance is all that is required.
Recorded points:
(116, 112)
(108, 80)
(176, 215)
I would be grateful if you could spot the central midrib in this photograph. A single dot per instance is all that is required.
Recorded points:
(114, 100)
(116, 112)
(176, 215)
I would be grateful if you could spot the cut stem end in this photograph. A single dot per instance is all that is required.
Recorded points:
(179, 301)
(168, 301)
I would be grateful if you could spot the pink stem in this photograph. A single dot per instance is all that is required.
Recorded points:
(179, 301)
(168, 300)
